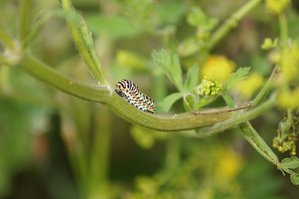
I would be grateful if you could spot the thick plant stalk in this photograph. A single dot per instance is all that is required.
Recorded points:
(236, 120)
(102, 94)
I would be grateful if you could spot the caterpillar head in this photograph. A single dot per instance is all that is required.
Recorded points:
(119, 89)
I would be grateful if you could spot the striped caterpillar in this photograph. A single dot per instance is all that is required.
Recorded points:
(129, 90)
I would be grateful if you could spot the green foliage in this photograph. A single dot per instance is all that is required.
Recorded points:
(190, 102)
(269, 43)
(234, 78)
(188, 47)
(113, 27)
(16, 124)
(84, 41)
(192, 77)
(199, 19)
(210, 175)
(140, 14)
(228, 100)
(295, 178)
(240, 74)
(169, 62)
(168, 101)
(170, 12)
(150, 16)
(146, 138)
(258, 181)
(128, 31)
(290, 163)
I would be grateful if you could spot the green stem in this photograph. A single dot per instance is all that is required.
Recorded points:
(176, 122)
(283, 27)
(4, 61)
(84, 42)
(231, 23)
(4, 79)
(6, 38)
(266, 89)
(119, 106)
(38, 23)
(76, 144)
(172, 158)
(100, 155)
(24, 19)
(79, 168)
(258, 143)
(47, 74)
(237, 119)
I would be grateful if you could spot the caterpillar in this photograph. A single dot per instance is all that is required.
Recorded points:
(129, 90)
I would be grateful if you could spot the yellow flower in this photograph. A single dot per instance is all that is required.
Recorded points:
(277, 6)
(250, 85)
(288, 99)
(289, 62)
(217, 68)
(209, 87)
(229, 164)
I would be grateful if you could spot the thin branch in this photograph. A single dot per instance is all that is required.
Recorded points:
(84, 42)
(220, 110)
(4, 61)
(258, 143)
(47, 74)
(119, 106)
(6, 38)
(264, 92)
(231, 23)
(237, 119)
(24, 18)
(283, 26)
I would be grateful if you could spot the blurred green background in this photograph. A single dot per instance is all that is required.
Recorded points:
(56, 146)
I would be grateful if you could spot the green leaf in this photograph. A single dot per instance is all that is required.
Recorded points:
(190, 102)
(168, 101)
(189, 46)
(285, 125)
(169, 62)
(295, 178)
(204, 101)
(211, 24)
(170, 12)
(228, 100)
(240, 74)
(192, 77)
(197, 17)
(290, 163)
(83, 40)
